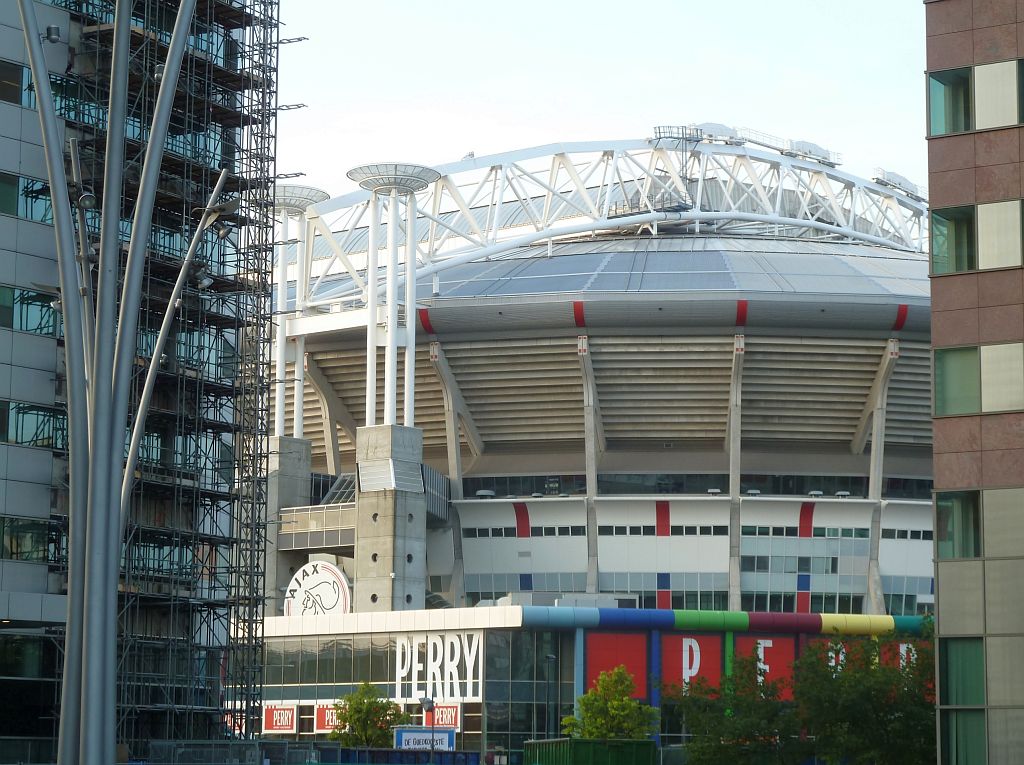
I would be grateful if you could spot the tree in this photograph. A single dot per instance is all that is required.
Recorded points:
(365, 718)
(869, 702)
(744, 720)
(609, 711)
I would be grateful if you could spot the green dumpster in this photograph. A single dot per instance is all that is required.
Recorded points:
(590, 751)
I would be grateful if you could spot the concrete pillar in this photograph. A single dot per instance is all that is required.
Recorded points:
(391, 520)
(288, 472)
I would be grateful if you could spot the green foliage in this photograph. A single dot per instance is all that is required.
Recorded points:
(365, 718)
(864, 706)
(743, 721)
(609, 711)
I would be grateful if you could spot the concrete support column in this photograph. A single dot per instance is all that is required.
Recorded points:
(734, 439)
(288, 470)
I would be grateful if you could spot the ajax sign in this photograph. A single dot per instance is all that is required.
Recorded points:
(317, 589)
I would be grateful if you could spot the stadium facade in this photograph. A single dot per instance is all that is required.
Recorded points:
(686, 374)
(974, 118)
(190, 589)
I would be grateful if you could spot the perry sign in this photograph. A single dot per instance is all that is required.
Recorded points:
(444, 666)
(318, 588)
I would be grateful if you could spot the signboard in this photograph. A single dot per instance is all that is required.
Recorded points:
(419, 738)
(280, 719)
(318, 588)
(325, 718)
(775, 657)
(444, 716)
(689, 657)
(607, 650)
(444, 666)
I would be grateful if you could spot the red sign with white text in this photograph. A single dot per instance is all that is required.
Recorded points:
(685, 658)
(325, 719)
(607, 650)
(278, 719)
(775, 656)
(444, 716)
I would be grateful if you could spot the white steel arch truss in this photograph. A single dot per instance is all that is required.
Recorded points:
(485, 208)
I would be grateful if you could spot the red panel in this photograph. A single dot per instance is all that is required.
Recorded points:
(607, 650)
(901, 317)
(664, 599)
(577, 313)
(777, 656)
(325, 719)
(741, 313)
(803, 602)
(686, 657)
(425, 321)
(280, 719)
(663, 527)
(807, 519)
(522, 519)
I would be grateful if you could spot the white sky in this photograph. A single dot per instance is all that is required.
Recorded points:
(429, 80)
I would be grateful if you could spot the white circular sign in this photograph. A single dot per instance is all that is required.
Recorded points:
(318, 588)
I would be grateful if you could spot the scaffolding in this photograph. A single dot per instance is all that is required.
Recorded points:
(191, 588)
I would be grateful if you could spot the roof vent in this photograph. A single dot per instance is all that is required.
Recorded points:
(815, 493)
(753, 492)
(485, 494)
(842, 494)
(714, 492)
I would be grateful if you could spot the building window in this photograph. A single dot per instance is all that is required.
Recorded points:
(957, 381)
(952, 240)
(961, 672)
(962, 734)
(995, 95)
(949, 101)
(11, 87)
(957, 524)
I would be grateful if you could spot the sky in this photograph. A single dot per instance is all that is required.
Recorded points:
(428, 81)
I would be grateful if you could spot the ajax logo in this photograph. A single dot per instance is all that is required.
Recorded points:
(318, 588)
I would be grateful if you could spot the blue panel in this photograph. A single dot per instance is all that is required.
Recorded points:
(526, 582)
(803, 582)
(654, 670)
(579, 669)
(636, 618)
(663, 583)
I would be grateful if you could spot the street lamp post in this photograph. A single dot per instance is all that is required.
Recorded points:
(428, 706)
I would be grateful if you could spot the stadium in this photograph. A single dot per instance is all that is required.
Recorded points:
(652, 382)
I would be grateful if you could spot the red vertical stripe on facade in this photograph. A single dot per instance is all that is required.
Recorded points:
(522, 519)
(577, 313)
(425, 321)
(663, 527)
(806, 519)
(803, 602)
(741, 313)
(664, 599)
(901, 317)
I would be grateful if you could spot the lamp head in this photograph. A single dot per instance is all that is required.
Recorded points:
(87, 200)
(52, 34)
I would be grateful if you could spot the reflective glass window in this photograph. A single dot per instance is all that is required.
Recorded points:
(961, 672)
(957, 381)
(962, 736)
(957, 524)
(952, 240)
(11, 75)
(949, 101)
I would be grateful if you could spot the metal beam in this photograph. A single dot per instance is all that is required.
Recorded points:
(734, 438)
(876, 396)
(454, 400)
(334, 413)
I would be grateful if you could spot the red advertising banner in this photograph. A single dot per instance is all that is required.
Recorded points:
(607, 650)
(325, 718)
(280, 719)
(688, 657)
(775, 654)
(444, 716)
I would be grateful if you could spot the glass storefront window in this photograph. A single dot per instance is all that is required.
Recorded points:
(957, 524)
(949, 101)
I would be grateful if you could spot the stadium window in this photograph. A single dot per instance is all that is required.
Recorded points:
(635, 531)
(691, 531)
(649, 531)
(803, 565)
(957, 381)
(536, 531)
(862, 533)
(720, 531)
(620, 531)
(819, 531)
(510, 531)
(958, 524)
(949, 101)
(605, 531)
(577, 531)
(483, 533)
(705, 531)
(498, 532)
(746, 531)
(888, 533)
(762, 563)
(952, 240)
(677, 531)
(927, 535)
(915, 534)
(999, 235)
(995, 95)
(831, 532)
(563, 531)
(901, 534)
(747, 563)
(764, 531)
(549, 531)
(846, 533)
(469, 533)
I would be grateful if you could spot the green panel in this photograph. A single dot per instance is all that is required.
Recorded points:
(907, 625)
(712, 621)
(585, 751)
(730, 651)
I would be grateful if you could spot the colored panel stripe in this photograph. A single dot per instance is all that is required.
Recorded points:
(712, 620)
(901, 317)
(741, 313)
(425, 321)
(522, 519)
(789, 623)
(803, 602)
(856, 624)
(807, 519)
(577, 313)
(654, 665)
(664, 598)
(663, 526)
